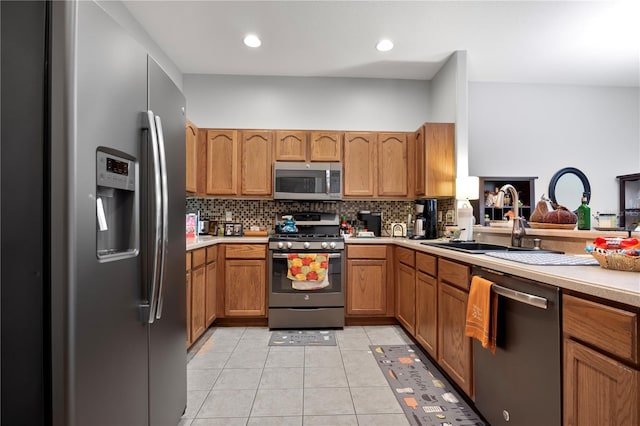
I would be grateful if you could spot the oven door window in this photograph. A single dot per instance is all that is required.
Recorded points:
(281, 284)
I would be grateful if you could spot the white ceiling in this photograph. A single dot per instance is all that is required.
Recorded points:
(557, 42)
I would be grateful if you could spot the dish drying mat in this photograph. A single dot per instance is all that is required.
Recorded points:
(425, 395)
(556, 259)
(303, 338)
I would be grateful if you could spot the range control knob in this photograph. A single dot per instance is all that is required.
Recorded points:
(306, 244)
(332, 245)
(280, 245)
(324, 245)
(289, 244)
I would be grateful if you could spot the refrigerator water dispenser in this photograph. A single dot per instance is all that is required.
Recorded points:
(116, 205)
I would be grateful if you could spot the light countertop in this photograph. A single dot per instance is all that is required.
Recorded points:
(618, 286)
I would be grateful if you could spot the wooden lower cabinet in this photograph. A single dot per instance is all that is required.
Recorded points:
(198, 286)
(245, 287)
(367, 291)
(601, 374)
(188, 285)
(245, 280)
(210, 292)
(426, 331)
(598, 390)
(454, 348)
(367, 287)
(406, 296)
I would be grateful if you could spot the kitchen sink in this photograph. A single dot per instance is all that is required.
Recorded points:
(477, 247)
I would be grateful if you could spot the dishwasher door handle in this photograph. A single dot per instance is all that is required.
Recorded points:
(518, 296)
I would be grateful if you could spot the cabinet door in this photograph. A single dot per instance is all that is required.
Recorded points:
(245, 288)
(440, 160)
(291, 145)
(454, 348)
(420, 158)
(406, 294)
(222, 162)
(210, 292)
(325, 146)
(598, 390)
(188, 285)
(359, 164)
(427, 313)
(256, 163)
(191, 139)
(393, 168)
(366, 287)
(198, 285)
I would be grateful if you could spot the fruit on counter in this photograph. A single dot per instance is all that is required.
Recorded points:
(542, 208)
(561, 215)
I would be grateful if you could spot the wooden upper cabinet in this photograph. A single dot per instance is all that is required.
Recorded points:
(222, 162)
(359, 164)
(291, 145)
(393, 170)
(256, 162)
(435, 160)
(419, 160)
(191, 140)
(325, 146)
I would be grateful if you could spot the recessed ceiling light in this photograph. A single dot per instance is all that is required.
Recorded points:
(252, 41)
(384, 45)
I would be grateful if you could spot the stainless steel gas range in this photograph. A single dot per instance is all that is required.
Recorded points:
(306, 274)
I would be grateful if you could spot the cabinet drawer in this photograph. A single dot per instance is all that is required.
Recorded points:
(246, 251)
(611, 329)
(198, 257)
(427, 264)
(366, 252)
(188, 261)
(454, 273)
(405, 256)
(212, 253)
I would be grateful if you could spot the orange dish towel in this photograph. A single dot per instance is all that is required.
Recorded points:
(482, 313)
(307, 266)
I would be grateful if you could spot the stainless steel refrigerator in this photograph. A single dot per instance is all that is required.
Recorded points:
(93, 154)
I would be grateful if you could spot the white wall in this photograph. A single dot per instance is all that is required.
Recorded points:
(121, 14)
(449, 104)
(306, 102)
(535, 130)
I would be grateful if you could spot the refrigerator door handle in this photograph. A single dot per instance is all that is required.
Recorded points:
(165, 215)
(157, 214)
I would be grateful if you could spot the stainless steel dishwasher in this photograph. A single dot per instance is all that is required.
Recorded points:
(521, 384)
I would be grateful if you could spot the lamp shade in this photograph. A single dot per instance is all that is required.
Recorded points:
(467, 188)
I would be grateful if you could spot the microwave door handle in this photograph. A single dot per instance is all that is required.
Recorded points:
(328, 176)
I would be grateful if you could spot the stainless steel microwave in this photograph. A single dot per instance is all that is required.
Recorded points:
(307, 181)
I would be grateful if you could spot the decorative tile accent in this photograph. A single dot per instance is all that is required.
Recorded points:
(267, 212)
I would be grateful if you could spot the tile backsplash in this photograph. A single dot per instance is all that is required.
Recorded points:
(266, 212)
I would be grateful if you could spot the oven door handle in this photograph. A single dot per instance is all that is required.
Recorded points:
(286, 255)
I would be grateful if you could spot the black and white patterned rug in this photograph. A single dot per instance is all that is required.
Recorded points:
(303, 338)
(424, 393)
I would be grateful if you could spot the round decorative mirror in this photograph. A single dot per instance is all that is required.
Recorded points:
(567, 186)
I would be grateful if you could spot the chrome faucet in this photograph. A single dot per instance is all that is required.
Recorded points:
(517, 232)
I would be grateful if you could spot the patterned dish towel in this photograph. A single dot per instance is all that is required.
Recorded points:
(308, 271)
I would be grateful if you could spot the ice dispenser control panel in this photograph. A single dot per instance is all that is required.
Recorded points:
(117, 206)
(115, 172)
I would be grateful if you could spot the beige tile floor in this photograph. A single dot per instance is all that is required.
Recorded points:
(235, 378)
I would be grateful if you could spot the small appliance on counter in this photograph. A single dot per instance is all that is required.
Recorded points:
(203, 227)
(425, 226)
(372, 222)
